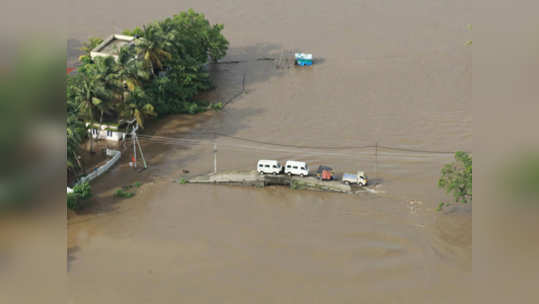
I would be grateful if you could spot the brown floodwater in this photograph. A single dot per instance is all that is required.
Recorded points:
(386, 72)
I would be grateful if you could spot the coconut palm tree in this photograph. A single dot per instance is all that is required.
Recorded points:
(75, 134)
(106, 74)
(89, 93)
(132, 76)
(130, 72)
(152, 48)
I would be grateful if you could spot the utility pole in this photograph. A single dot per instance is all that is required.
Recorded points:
(376, 161)
(135, 143)
(214, 158)
(141, 155)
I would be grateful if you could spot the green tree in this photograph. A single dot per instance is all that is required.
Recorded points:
(107, 76)
(152, 48)
(88, 46)
(130, 71)
(218, 45)
(88, 93)
(134, 104)
(76, 132)
(456, 178)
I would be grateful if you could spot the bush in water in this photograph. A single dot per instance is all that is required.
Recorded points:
(81, 192)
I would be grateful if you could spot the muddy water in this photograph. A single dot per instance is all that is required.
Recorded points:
(396, 74)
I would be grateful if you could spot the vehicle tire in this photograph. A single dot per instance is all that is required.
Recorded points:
(261, 172)
(347, 182)
(274, 173)
(302, 175)
(289, 174)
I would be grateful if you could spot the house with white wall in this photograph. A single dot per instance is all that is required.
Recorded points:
(106, 131)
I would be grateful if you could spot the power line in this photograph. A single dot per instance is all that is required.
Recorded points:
(279, 149)
(335, 147)
(172, 140)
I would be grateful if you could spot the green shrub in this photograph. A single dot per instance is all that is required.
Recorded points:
(138, 184)
(216, 106)
(84, 190)
(81, 192)
(182, 181)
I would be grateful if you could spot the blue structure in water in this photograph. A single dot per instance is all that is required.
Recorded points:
(303, 59)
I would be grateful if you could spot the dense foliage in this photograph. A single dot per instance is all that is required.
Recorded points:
(456, 178)
(81, 192)
(160, 73)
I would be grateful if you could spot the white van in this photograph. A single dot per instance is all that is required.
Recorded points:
(293, 167)
(265, 166)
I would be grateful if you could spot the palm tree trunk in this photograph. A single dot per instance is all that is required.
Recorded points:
(91, 142)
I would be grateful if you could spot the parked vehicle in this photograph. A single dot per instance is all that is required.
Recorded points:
(325, 173)
(293, 167)
(359, 178)
(265, 166)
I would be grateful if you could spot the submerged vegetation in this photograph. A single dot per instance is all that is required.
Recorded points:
(121, 193)
(124, 191)
(159, 73)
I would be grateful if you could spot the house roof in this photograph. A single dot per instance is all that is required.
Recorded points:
(70, 69)
(111, 46)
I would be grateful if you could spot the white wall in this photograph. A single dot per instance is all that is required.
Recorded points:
(103, 133)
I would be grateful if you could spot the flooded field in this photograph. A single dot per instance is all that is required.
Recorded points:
(386, 74)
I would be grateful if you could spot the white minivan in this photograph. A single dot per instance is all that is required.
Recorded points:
(293, 167)
(265, 166)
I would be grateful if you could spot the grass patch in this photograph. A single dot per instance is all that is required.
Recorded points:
(182, 181)
(440, 206)
(137, 184)
(296, 185)
(121, 193)
(218, 106)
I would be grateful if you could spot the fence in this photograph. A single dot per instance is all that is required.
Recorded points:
(102, 169)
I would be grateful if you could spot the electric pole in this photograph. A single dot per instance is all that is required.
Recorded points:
(141, 154)
(376, 162)
(135, 143)
(214, 158)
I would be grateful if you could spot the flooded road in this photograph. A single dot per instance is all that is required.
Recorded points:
(386, 74)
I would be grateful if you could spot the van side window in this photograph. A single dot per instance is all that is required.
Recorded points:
(267, 166)
(295, 167)
(288, 166)
(274, 166)
(302, 168)
(261, 165)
